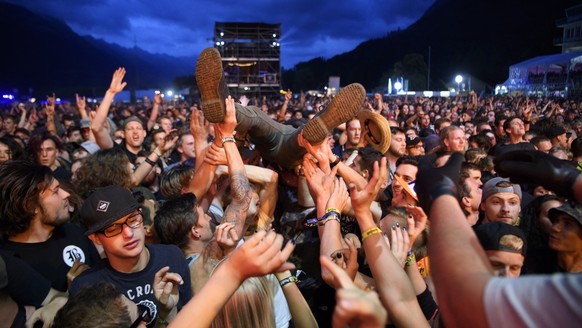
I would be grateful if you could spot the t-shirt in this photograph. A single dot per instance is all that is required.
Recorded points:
(138, 286)
(130, 156)
(534, 301)
(23, 283)
(54, 258)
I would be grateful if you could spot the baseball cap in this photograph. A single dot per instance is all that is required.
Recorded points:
(132, 119)
(490, 234)
(554, 131)
(90, 147)
(85, 123)
(490, 187)
(412, 142)
(105, 206)
(431, 142)
(569, 208)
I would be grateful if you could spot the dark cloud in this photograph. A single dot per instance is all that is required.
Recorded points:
(310, 28)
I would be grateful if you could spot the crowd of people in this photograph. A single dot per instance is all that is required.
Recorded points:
(291, 210)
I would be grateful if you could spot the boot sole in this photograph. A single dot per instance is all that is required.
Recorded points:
(344, 106)
(208, 75)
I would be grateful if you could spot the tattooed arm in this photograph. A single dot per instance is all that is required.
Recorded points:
(241, 193)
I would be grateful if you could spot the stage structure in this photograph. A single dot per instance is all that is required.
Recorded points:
(251, 57)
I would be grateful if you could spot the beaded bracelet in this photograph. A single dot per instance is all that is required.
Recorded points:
(370, 232)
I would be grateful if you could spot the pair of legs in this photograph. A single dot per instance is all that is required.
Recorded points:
(275, 141)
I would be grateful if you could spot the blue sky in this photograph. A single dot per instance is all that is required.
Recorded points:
(310, 28)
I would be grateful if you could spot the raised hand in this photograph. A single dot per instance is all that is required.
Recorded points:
(158, 99)
(51, 100)
(226, 236)
(166, 288)
(198, 125)
(260, 255)
(400, 244)
(347, 259)
(362, 198)
(81, 102)
(354, 307)
(432, 182)
(227, 126)
(117, 83)
(416, 222)
(215, 155)
(320, 184)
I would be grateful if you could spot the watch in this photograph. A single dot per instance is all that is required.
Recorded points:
(227, 139)
(334, 163)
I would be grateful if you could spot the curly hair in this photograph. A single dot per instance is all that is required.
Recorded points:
(104, 168)
(21, 183)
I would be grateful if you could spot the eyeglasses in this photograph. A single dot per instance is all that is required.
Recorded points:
(115, 229)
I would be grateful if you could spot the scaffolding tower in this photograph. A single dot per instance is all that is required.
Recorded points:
(251, 56)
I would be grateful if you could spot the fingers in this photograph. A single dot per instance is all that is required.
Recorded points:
(339, 275)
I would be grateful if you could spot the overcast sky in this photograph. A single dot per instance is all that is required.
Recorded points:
(310, 28)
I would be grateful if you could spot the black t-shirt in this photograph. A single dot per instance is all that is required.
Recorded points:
(138, 286)
(131, 156)
(25, 285)
(54, 257)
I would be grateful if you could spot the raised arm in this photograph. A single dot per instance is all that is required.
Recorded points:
(393, 285)
(259, 255)
(241, 193)
(81, 105)
(155, 110)
(99, 124)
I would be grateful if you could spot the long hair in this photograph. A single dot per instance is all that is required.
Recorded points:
(21, 183)
(36, 141)
(16, 151)
(104, 168)
(250, 306)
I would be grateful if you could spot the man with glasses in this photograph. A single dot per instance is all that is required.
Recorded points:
(115, 224)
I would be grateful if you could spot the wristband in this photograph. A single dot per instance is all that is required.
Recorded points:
(157, 152)
(334, 163)
(370, 232)
(410, 259)
(150, 162)
(331, 209)
(287, 280)
(332, 217)
(227, 139)
(323, 220)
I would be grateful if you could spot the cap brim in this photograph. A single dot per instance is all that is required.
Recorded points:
(114, 217)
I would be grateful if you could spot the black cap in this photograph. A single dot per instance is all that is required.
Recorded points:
(490, 234)
(105, 206)
(412, 142)
(554, 131)
(572, 209)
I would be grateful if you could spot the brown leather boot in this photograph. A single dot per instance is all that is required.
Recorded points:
(344, 106)
(212, 85)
